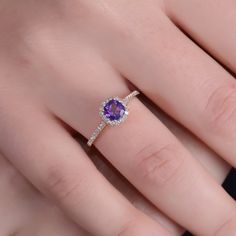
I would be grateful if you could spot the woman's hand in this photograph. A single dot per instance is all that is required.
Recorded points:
(30, 213)
(60, 59)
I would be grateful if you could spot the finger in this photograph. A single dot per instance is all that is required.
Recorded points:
(25, 211)
(144, 151)
(72, 91)
(166, 173)
(213, 163)
(184, 81)
(210, 23)
(131, 193)
(209, 159)
(44, 152)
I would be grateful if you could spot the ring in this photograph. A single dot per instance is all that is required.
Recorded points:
(113, 112)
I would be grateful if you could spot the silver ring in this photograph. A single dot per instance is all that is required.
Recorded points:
(113, 111)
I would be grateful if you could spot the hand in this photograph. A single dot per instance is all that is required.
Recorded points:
(60, 60)
(29, 213)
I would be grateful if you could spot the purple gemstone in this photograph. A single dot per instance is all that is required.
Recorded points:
(114, 110)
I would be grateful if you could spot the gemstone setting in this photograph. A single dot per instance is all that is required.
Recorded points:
(114, 111)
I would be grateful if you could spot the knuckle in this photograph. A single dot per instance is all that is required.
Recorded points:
(159, 165)
(227, 228)
(220, 110)
(61, 185)
(125, 229)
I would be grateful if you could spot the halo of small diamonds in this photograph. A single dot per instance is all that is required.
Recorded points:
(113, 111)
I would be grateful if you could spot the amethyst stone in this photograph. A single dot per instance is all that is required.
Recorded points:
(114, 110)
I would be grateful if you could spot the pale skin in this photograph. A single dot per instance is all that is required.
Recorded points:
(60, 59)
(29, 213)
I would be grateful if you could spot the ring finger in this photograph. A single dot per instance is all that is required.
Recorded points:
(48, 156)
(142, 149)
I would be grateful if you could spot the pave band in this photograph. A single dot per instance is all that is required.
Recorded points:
(113, 111)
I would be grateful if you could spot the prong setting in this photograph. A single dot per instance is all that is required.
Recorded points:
(113, 112)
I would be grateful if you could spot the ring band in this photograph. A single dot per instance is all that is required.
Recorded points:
(113, 111)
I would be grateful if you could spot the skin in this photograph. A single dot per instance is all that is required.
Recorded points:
(60, 59)
(27, 208)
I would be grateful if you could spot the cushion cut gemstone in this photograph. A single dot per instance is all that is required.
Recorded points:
(114, 110)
